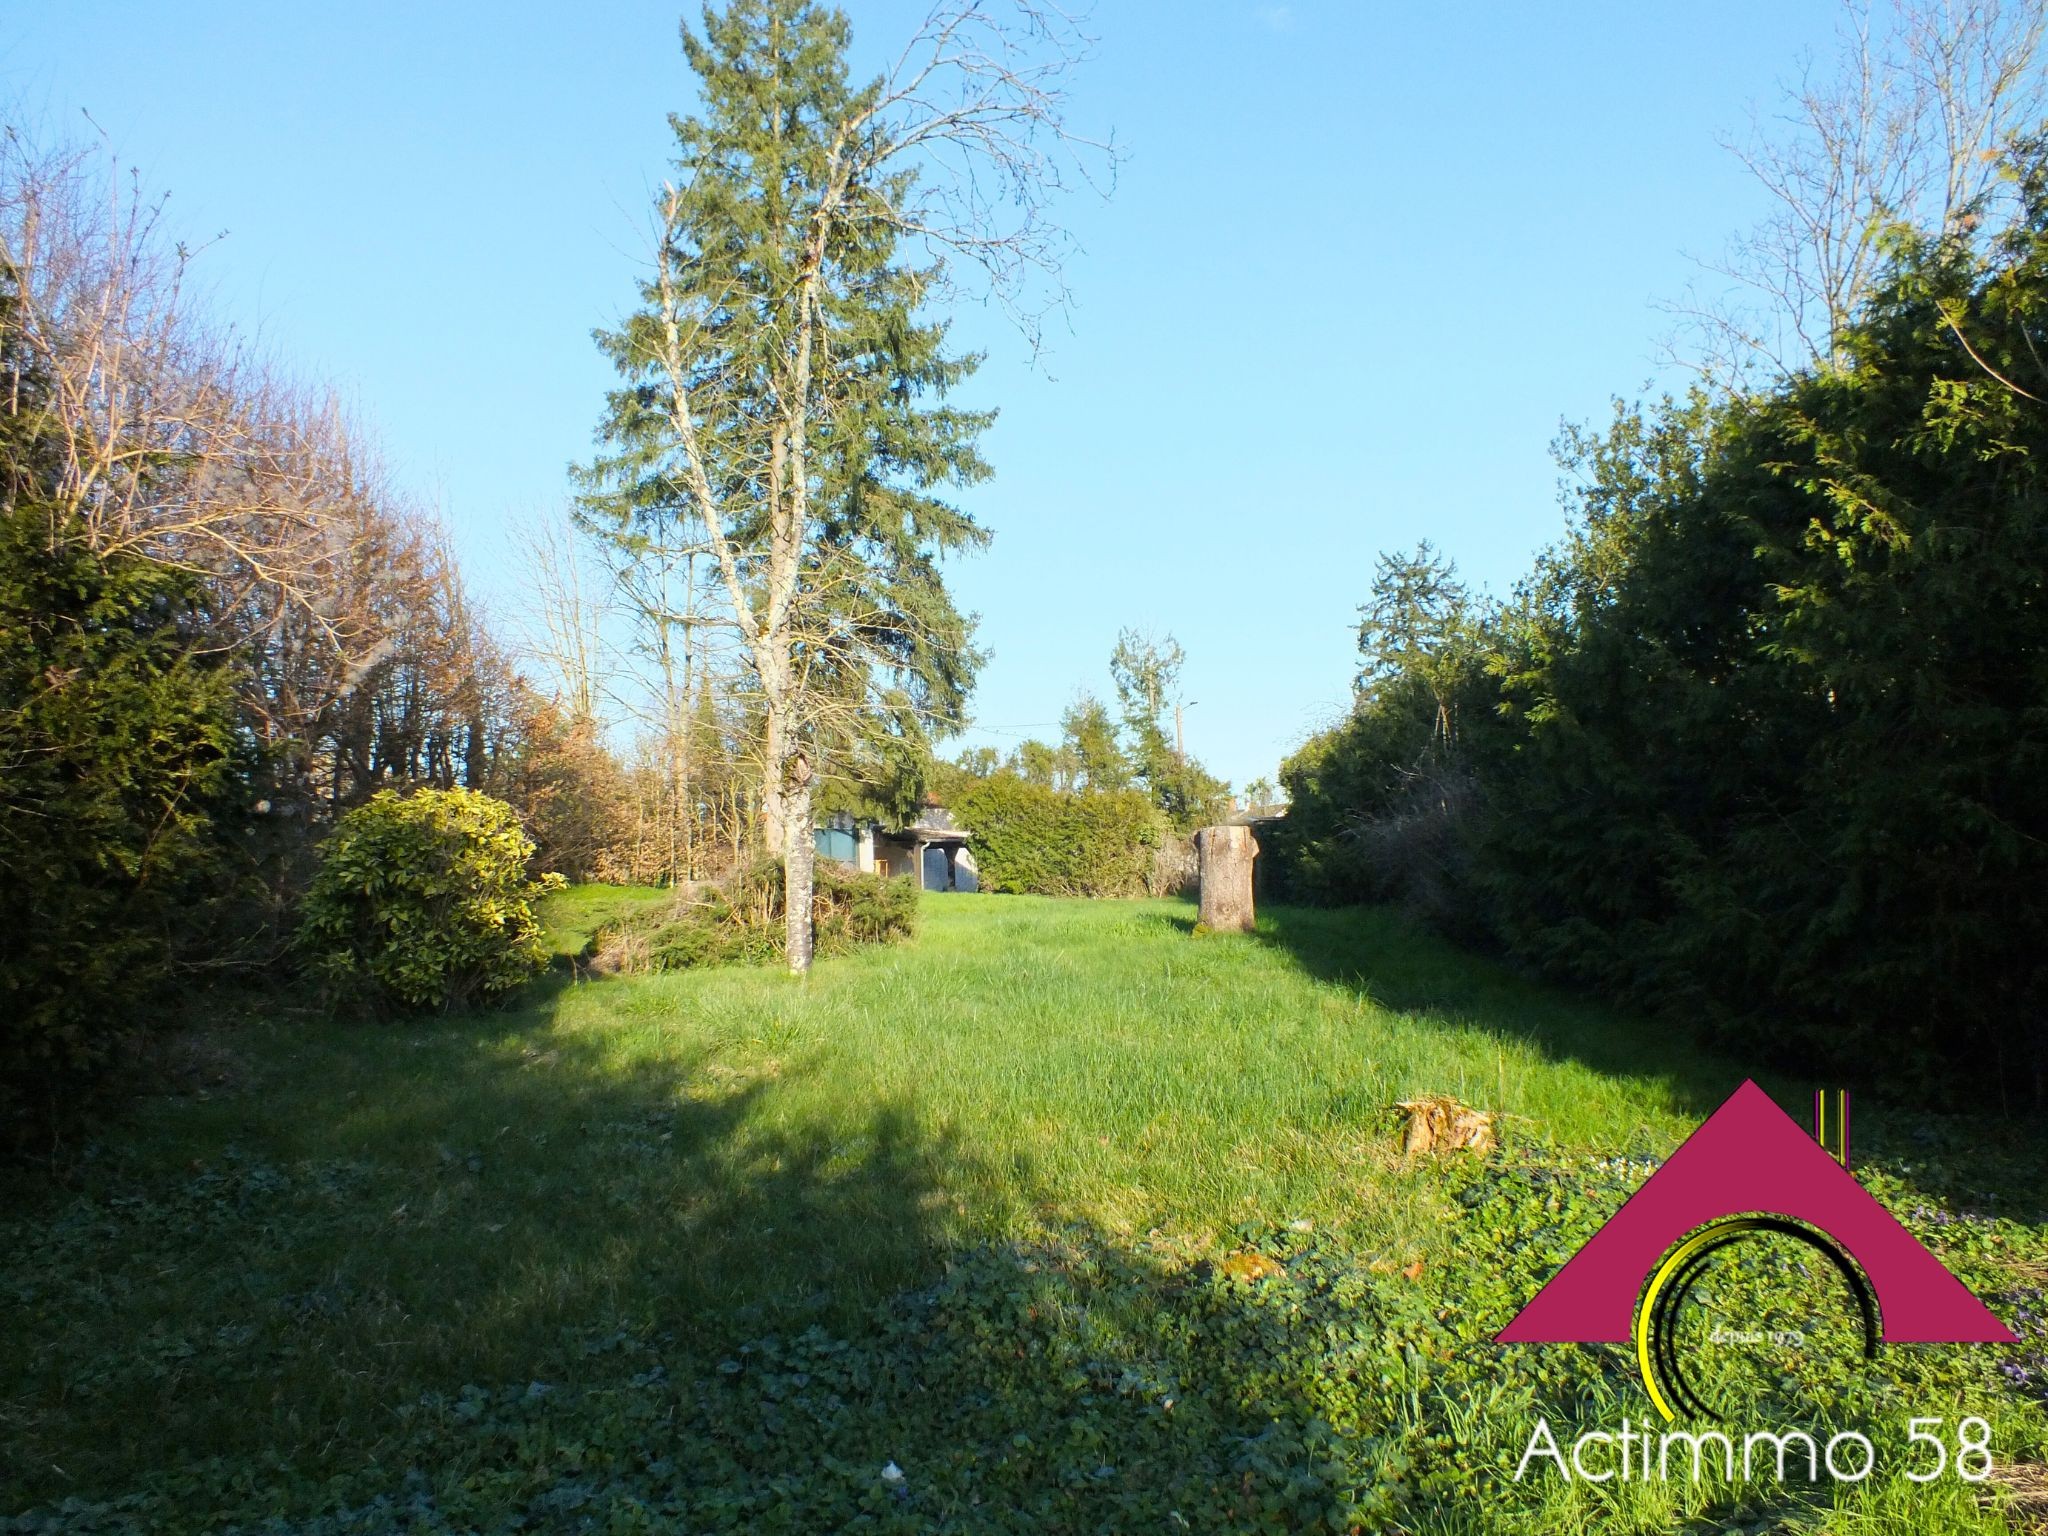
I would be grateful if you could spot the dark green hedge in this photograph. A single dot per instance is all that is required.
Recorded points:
(1031, 839)
(118, 756)
(1763, 744)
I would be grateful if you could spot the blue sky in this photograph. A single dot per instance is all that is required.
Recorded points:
(1361, 260)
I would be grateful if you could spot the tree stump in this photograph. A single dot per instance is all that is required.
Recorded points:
(1226, 855)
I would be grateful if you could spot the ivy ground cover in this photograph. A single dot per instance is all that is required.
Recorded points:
(1057, 1217)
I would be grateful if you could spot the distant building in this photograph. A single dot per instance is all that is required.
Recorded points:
(932, 848)
(1264, 814)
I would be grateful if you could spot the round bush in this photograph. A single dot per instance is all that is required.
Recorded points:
(424, 900)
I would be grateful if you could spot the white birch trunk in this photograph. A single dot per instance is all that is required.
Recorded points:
(799, 872)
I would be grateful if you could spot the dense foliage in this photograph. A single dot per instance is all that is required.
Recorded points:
(423, 901)
(1763, 742)
(1377, 803)
(1032, 838)
(219, 630)
(118, 750)
(783, 406)
(119, 762)
(739, 921)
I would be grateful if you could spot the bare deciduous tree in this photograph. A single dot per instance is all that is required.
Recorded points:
(364, 662)
(1903, 127)
(178, 442)
(562, 628)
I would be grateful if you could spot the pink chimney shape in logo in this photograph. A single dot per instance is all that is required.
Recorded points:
(1751, 1156)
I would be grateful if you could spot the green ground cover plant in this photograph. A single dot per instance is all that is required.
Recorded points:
(716, 1250)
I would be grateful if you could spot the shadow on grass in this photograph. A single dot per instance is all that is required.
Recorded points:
(387, 1211)
(1080, 1384)
(521, 1265)
(1402, 966)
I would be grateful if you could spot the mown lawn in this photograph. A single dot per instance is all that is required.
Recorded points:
(707, 1251)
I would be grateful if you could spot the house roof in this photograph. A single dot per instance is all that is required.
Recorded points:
(934, 824)
(1751, 1156)
(1257, 816)
(928, 832)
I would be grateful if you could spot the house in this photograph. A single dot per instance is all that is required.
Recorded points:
(932, 847)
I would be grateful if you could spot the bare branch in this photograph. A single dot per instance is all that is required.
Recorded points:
(1904, 128)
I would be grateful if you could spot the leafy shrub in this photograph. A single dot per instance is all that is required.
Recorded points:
(1028, 838)
(740, 921)
(424, 900)
(118, 757)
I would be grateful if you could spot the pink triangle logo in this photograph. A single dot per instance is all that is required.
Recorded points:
(1750, 1156)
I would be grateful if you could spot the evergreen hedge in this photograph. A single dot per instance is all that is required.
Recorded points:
(1028, 838)
(119, 761)
(1763, 744)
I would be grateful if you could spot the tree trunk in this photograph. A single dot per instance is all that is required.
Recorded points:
(799, 870)
(774, 768)
(1226, 860)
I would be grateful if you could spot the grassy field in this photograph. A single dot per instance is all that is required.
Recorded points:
(432, 1274)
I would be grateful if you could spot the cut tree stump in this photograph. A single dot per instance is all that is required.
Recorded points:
(1441, 1123)
(1226, 855)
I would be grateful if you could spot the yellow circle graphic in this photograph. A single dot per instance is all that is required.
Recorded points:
(1656, 1345)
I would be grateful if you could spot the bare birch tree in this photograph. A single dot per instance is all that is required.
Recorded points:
(568, 605)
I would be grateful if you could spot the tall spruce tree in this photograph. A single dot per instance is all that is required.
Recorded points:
(785, 384)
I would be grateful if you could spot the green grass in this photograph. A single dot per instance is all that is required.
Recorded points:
(570, 919)
(347, 1220)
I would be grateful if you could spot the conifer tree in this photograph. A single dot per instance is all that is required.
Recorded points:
(119, 762)
(785, 381)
